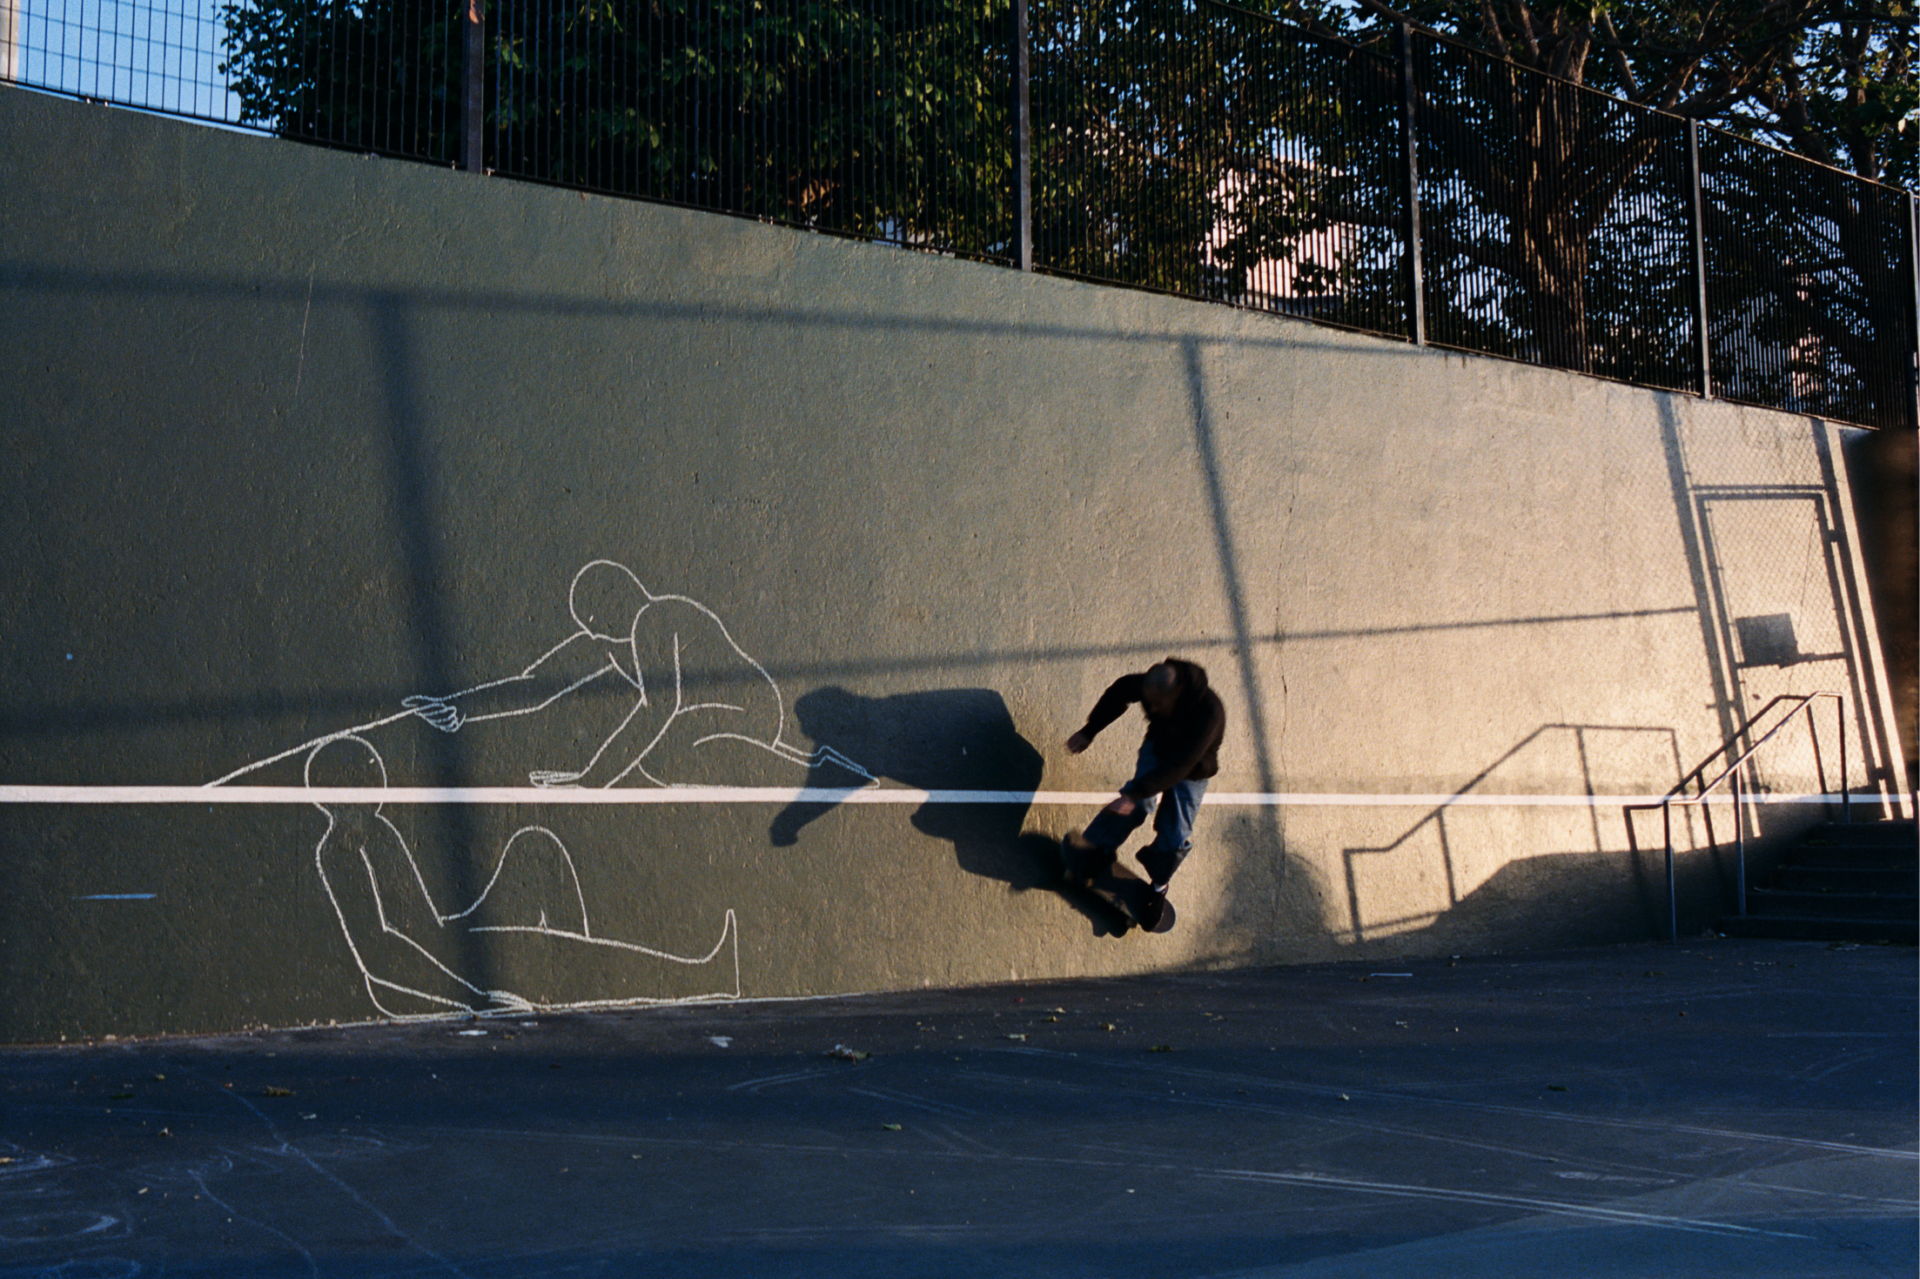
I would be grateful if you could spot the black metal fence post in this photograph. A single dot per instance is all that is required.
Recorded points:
(1913, 260)
(473, 113)
(1022, 143)
(1411, 146)
(1913, 360)
(1697, 214)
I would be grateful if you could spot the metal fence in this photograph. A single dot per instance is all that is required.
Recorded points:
(1182, 146)
(1427, 192)
(1555, 221)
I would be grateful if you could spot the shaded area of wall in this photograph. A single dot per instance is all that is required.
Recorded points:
(1885, 468)
(330, 473)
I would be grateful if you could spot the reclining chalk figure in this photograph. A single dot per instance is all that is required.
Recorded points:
(671, 652)
(411, 955)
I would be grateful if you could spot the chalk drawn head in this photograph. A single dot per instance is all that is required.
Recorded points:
(606, 598)
(345, 762)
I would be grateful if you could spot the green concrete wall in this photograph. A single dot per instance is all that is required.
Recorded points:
(294, 436)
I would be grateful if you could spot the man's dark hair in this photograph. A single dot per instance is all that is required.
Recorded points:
(1186, 678)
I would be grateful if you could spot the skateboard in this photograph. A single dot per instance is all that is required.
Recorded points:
(1100, 875)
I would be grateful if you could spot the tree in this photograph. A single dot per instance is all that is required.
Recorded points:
(1181, 144)
(382, 77)
(1852, 97)
(1541, 192)
(886, 120)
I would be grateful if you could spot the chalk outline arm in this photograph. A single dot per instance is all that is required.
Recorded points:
(442, 711)
(504, 700)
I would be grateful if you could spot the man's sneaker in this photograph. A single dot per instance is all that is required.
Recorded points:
(1153, 907)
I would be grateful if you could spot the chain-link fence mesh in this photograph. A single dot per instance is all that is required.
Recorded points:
(1810, 285)
(1555, 223)
(1180, 146)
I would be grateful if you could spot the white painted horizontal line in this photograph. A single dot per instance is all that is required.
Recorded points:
(791, 795)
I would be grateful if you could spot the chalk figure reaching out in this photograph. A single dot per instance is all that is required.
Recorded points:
(689, 682)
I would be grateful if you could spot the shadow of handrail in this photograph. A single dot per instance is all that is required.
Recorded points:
(1730, 774)
(1437, 816)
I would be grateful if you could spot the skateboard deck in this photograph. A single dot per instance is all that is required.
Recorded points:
(1118, 889)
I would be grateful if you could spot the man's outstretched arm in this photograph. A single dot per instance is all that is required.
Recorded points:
(1120, 694)
(568, 666)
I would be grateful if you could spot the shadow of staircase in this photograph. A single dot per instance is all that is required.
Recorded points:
(1857, 883)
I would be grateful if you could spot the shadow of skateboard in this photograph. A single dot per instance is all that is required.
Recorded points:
(1122, 895)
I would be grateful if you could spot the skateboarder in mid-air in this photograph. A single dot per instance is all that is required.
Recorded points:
(1185, 722)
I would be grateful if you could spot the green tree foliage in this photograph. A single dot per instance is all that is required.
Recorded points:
(371, 76)
(889, 120)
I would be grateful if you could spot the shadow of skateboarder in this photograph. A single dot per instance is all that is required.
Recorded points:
(959, 739)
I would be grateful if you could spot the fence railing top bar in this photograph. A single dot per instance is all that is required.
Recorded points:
(1293, 28)
(1899, 191)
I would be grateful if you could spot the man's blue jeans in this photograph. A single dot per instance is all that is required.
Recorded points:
(1173, 818)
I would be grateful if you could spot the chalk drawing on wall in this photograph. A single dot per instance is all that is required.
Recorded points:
(528, 928)
(685, 683)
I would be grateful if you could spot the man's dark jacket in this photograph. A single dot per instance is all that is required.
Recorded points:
(1186, 740)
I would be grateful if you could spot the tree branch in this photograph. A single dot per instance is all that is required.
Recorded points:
(1620, 61)
(1490, 25)
(1394, 15)
(1524, 20)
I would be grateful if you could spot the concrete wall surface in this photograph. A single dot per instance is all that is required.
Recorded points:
(458, 529)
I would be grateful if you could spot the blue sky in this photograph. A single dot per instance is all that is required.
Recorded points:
(159, 54)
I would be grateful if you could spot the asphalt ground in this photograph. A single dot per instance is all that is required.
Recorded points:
(1717, 1108)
